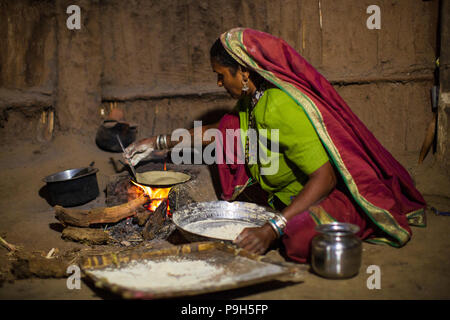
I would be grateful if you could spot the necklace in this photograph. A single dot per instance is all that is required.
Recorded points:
(251, 122)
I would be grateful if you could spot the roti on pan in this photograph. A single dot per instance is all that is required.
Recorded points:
(161, 178)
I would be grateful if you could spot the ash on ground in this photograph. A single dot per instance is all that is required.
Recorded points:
(126, 232)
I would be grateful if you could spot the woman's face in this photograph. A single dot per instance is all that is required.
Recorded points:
(225, 78)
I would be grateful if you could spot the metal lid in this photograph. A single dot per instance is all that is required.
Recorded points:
(338, 229)
(70, 174)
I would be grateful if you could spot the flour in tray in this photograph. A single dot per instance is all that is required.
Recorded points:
(160, 275)
(219, 229)
(175, 274)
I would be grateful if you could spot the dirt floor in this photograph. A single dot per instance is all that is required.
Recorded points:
(419, 270)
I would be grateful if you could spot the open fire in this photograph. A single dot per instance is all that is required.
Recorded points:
(149, 220)
(133, 212)
(156, 196)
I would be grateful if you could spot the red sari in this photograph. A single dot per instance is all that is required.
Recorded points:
(373, 183)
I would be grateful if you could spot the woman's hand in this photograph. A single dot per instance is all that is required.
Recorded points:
(256, 240)
(139, 150)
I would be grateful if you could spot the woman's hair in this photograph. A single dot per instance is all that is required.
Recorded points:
(218, 53)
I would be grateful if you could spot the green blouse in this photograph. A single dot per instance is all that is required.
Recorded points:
(300, 150)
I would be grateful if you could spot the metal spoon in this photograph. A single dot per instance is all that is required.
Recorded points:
(84, 171)
(123, 149)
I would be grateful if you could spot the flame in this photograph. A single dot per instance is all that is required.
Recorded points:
(156, 195)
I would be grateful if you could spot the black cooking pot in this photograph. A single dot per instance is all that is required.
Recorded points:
(72, 187)
(106, 137)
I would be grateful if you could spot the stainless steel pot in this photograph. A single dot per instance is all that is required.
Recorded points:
(72, 187)
(336, 251)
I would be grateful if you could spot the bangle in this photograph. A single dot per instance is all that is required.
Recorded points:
(158, 142)
(165, 146)
(277, 229)
(281, 221)
(278, 223)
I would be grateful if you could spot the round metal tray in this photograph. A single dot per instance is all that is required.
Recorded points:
(216, 211)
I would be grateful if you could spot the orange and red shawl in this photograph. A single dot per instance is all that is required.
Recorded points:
(379, 184)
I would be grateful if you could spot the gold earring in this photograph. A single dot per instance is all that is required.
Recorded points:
(245, 85)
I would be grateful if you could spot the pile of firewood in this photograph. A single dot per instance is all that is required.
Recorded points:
(77, 222)
(91, 226)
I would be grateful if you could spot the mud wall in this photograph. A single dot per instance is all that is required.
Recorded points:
(443, 112)
(150, 58)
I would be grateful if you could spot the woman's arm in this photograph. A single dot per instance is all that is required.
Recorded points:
(172, 144)
(321, 182)
(141, 149)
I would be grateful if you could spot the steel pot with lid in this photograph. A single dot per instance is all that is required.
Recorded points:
(336, 251)
(72, 187)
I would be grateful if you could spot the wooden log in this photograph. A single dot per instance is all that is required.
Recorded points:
(155, 222)
(158, 226)
(142, 217)
(85, 218)
(29, 265)
(85, 235)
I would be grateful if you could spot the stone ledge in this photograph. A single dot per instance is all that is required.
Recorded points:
(40, 97)
(20, 98)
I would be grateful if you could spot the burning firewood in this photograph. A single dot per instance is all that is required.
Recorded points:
(158, 226)
(85, 218)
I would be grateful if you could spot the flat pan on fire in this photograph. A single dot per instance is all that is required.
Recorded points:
(161, 178)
